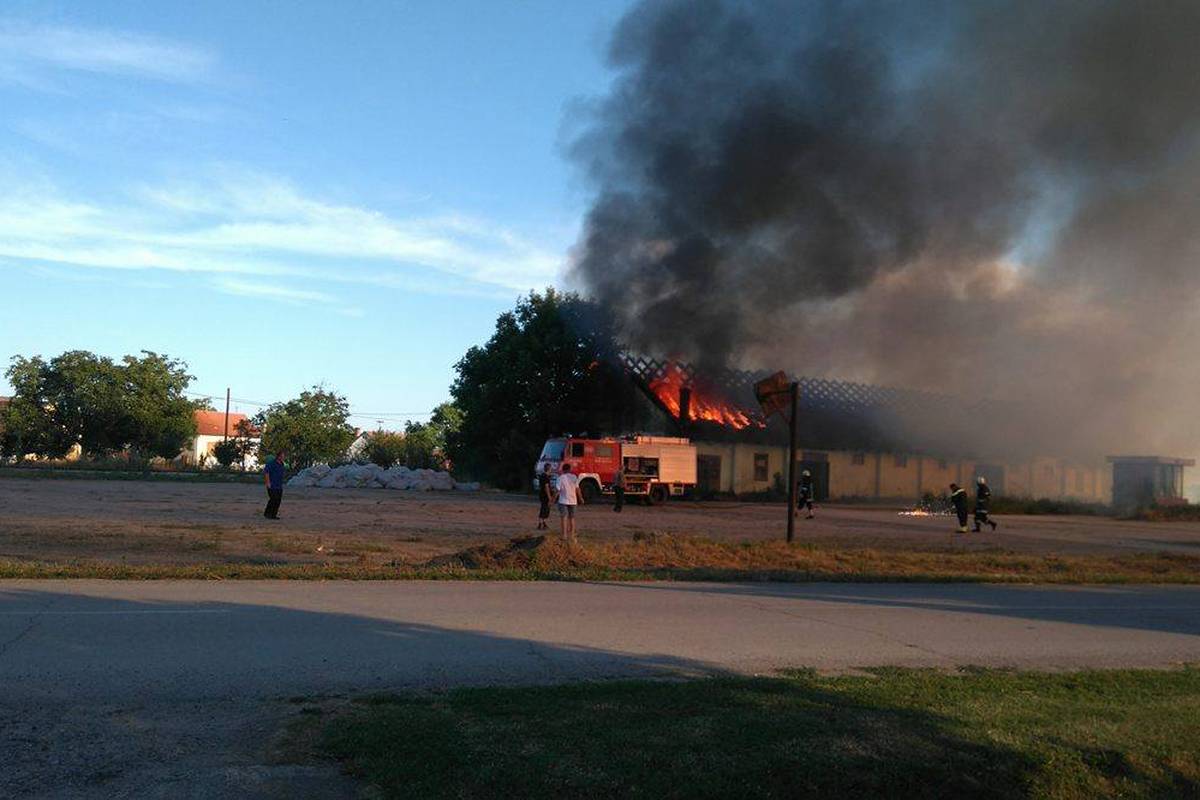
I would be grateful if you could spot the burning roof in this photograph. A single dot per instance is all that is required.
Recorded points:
(843, 415)
(677, 386)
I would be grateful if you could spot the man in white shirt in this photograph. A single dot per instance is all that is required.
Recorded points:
(567, 490)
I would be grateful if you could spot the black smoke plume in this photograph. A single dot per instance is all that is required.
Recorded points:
(990, 199)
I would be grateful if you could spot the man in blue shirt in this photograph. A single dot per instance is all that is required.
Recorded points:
(273, 475)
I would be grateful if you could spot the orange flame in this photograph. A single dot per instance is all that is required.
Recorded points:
(703, 405)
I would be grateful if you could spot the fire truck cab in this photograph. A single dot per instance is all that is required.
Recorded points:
(656, 467)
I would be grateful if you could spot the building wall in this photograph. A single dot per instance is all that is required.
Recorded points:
(1059, 479)
(938, 473)
(200, 451)
(851, 474)
(899, 476)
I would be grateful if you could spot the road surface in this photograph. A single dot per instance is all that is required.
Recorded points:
(173, 689)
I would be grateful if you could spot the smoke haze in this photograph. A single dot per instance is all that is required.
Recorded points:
(989, 199)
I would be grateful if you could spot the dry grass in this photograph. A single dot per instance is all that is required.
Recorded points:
(658, 557)
(664, 556)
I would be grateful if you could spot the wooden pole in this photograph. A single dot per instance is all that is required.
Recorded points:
(792, 425)
(226, 414)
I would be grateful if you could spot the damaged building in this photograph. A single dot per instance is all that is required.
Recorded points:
(859, 441)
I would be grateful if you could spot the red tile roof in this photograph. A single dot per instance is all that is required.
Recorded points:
(212, 423)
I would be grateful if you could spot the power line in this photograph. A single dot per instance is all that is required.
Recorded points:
(375, 415)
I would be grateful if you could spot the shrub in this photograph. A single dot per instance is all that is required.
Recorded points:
(228, 452)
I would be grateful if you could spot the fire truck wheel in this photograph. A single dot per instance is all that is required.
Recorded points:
(658, 494)
(591, 491)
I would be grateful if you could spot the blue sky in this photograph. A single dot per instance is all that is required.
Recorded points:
(283, 194)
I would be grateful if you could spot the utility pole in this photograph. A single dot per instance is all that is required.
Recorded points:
(793, 420)
(227, 415)
(770, 393)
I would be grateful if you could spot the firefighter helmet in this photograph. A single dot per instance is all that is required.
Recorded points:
(981, 480)
(806, 474)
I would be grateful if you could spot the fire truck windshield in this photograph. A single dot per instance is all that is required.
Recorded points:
(553, 451)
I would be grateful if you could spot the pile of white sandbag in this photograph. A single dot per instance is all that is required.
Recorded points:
(373, 476)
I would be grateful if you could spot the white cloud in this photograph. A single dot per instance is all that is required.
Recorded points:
(271, 291)
(238, 225)
(27, 52)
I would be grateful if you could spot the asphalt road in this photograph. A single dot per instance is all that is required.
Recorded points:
(170, 689)
(196, 640)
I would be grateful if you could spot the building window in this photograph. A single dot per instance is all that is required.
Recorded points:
(901, 461)
(858, 459)
(1078, 480)
(761, 466)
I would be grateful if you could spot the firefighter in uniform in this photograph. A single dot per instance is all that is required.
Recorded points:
(804, 498)
(983, 496)
(958, 496)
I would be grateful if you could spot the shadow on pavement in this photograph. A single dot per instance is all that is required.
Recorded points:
(116, 698)
(1163, 609)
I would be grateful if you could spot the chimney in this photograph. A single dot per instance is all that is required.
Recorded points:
(685, 406)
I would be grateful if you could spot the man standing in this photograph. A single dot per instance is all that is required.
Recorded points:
(567, 490)
(273, 476)
(983, 496)
(618, 485)
(958, 496)
(545, 494)
(804, 498)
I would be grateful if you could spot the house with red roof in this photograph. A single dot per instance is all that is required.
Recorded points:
(212, 428)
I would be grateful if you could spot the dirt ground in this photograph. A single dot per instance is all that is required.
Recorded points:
(204, 523)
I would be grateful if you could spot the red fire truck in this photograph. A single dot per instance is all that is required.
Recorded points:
(656, 467)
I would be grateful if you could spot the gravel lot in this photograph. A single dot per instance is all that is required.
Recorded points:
(196, 523)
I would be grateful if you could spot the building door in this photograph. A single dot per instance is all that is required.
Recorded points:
(818, 465)
(708, 474)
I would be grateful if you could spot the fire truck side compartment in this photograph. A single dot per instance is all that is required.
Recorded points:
(676, 461)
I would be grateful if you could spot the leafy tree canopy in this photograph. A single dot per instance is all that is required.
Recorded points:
(385, 448)
(421, 446)
(548, 369)
(313, 428)
(104, 407)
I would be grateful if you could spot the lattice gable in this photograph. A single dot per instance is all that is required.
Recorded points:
(815, 393)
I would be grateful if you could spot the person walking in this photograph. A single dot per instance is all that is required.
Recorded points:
(958, 496)
(566, 490)
(273, 477)
(804, 497)
(545, 494)
(983, 497)
(618, 485)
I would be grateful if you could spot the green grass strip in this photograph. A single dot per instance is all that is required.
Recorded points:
(894, 733)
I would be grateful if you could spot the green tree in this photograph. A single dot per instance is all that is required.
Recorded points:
(423, 446)
(227, 452)
(158, 419)
(312, 428)
(448, 419)
(79, 398)
(32, 422)
(385, 448)
(425, 443)
(235, 449)
(549, 368)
